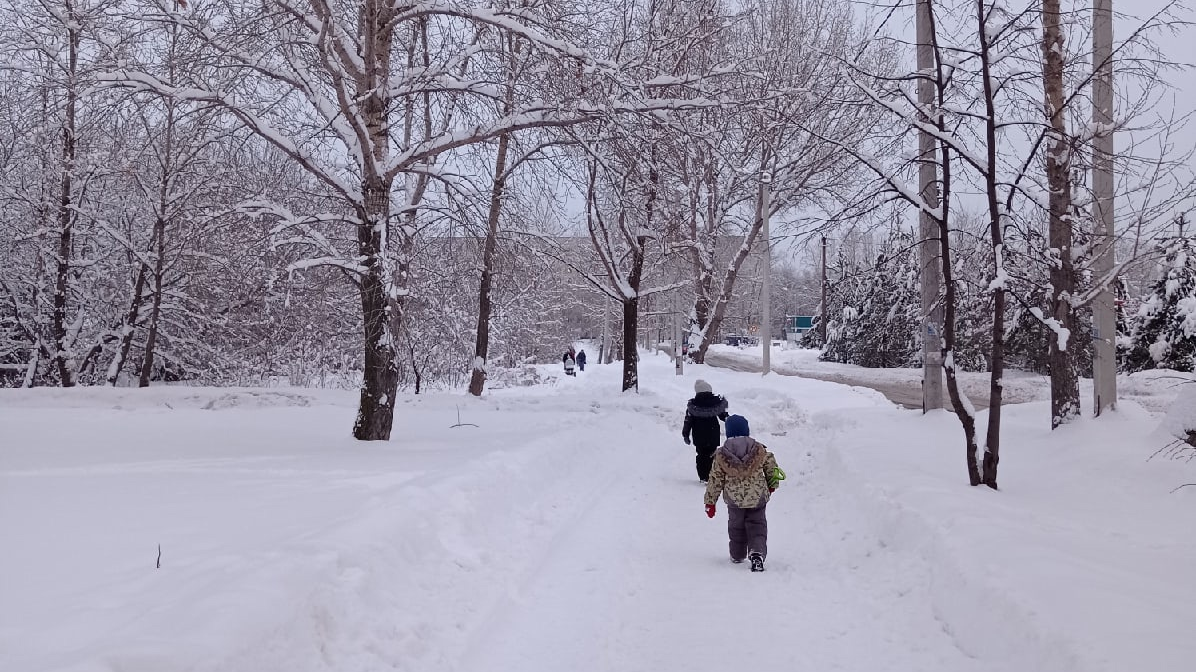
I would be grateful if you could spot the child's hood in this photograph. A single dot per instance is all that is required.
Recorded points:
(743, 454)
(706, 405)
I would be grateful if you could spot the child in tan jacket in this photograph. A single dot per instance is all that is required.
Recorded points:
(745, 474)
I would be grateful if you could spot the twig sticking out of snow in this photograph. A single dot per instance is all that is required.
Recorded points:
(159, 565)
(459, 423)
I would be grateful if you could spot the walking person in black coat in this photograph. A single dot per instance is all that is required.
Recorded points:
(702, 414)
(581, 360)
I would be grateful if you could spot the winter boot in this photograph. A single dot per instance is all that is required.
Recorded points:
(757, 561)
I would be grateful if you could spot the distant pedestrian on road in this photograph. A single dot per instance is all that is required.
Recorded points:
(581, 360)
(702, 414)
(569, 359)
(745, 474)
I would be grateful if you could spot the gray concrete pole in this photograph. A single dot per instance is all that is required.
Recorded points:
(1104, 363)
(930, 255)
(822, 317)
(678, 355)
(766, 286)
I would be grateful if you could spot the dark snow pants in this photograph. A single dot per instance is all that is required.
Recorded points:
(748, 531)
(705, 460)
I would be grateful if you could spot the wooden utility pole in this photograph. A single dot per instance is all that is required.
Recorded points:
(766, 286)
(822, 317)
(1104, 332)
(929, 251)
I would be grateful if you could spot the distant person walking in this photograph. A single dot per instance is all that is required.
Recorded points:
(702, 414)
(570, 361)
(581, 360)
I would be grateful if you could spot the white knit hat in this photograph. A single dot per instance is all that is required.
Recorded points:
(702, 386)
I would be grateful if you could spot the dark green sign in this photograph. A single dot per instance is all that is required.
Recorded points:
(801, 322)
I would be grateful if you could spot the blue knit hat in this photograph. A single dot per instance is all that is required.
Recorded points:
(737, 425)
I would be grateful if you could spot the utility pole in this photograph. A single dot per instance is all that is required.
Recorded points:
(822, 317)
(1104, 332)
(930, 255)
(766, 286)
(678, 354)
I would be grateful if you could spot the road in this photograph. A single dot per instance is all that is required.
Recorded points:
(903, 394)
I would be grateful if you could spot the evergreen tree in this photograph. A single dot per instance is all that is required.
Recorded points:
(873, 314)
(1166, 333)
(890, 308)
(1125, 323)
(842, 300)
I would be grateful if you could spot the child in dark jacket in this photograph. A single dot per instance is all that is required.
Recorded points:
(702, 414)
(745, 474)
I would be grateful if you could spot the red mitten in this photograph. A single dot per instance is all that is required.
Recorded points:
(709, 510)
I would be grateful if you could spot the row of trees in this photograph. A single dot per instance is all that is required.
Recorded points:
(389, 189)
(215, 189)
(874, 310)
(1011, 117)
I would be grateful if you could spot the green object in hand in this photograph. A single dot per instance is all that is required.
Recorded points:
(775, 477)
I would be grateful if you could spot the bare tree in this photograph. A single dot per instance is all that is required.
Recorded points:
(321, 85)
(795, 93)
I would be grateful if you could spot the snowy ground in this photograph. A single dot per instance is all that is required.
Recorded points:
(566, 532)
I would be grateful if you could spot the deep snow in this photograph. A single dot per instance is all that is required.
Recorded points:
(567, 532)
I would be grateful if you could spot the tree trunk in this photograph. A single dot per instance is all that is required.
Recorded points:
(992, 450)
(380, 379)
(380, 383)
(604, 347)
(151, 338)
(704, 273)
(63, 360)
(477, 381)
(631, 308)
(1065, 390)
(128, 326)
(701, 316)
(631, 376)
(963, 410)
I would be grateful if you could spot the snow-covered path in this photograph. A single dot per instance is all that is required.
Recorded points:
(565, 531)
(641, 580)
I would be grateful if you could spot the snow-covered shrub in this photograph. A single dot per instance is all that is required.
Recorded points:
(521, 376)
